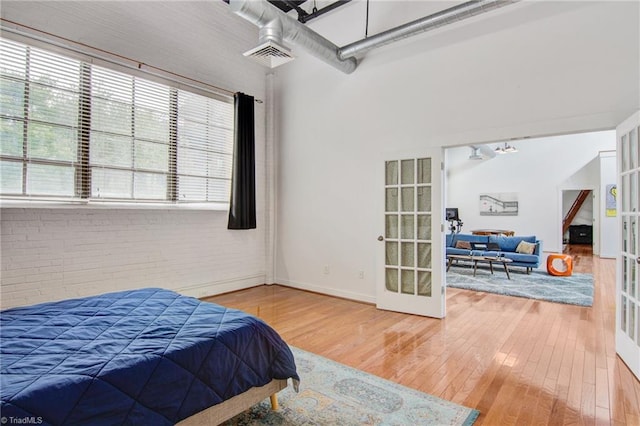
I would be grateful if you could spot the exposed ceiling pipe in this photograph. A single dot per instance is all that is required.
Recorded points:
(262, 13)
(445, 17)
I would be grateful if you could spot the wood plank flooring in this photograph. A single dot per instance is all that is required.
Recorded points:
(517, 361)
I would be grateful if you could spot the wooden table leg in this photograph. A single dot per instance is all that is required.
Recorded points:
(475, 266)
(506, 269)
(449, 263)
(491, 267)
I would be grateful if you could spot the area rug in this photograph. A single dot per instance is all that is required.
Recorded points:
(574, 290)
(335, 394)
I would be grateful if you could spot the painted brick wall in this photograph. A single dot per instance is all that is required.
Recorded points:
(52, 254)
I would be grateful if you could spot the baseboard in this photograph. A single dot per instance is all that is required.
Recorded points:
(358, 297)
(222, 286)
(608, 256)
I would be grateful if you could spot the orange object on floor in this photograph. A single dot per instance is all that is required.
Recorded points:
(560, 265)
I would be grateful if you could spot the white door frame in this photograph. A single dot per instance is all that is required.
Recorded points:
(595, 220)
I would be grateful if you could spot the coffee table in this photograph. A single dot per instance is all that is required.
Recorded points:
(482, 259)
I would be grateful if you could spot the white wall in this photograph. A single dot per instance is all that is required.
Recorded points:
(538, 173)
(546, 70)
(51, 254)
(609, 241)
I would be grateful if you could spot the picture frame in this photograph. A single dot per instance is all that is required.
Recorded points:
(499, 204)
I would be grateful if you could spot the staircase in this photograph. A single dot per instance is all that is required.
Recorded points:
(575, 208)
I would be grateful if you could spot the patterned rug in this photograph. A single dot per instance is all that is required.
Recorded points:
(334, 394)
(574, 290)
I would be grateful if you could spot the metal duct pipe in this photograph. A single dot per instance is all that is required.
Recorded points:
(447, 16)
(271, 31)
(262, 13)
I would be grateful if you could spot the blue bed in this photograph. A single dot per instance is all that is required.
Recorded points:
(148, 356)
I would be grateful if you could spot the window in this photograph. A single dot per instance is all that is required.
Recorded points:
(75, 131)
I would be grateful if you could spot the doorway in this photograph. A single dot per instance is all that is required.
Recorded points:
(578, 219)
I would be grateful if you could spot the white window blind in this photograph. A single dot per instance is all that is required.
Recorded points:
(204, 152)
(39, 115)
(77, 131)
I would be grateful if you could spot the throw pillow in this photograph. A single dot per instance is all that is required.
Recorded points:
(525, 248)
(493, 247)
(463, 245)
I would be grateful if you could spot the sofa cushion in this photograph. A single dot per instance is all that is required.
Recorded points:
(510, 243)
(518, 258)
(525, 247)
(453, 250)
(465, 252)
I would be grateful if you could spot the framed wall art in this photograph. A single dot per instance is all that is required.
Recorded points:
(499, 204)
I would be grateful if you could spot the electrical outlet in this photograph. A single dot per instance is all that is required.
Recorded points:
(361, 275)
(326, 269)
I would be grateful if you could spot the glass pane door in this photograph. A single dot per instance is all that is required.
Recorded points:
(408, 226)
(411, 190)
(628, 281)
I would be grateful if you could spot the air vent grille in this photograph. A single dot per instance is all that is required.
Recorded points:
(270, 54)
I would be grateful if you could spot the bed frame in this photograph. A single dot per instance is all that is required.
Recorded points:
(227, 409)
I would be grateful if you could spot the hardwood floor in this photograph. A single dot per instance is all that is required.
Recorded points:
(518, 361)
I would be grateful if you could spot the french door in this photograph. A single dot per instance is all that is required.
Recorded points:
(628, 268)
(411, 279)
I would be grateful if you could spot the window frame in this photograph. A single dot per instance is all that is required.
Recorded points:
(83, 198)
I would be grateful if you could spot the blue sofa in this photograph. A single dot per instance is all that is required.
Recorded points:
(507, 246)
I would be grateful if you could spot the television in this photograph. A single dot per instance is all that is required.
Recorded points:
(451, 213)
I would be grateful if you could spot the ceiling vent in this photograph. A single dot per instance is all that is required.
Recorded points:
(277, 27)
(270, 54)
(475, 154)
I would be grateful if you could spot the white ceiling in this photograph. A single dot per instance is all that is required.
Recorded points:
(198, 33)
(192, 38)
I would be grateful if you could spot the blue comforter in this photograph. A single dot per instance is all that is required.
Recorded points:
(147, 356)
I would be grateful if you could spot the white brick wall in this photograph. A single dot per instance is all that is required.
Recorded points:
(53, 254)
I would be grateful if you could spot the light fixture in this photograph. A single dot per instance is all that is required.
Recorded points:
(509, 148)
(506, 149)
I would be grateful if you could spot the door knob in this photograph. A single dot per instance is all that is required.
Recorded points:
(638, 260)
(381, 238)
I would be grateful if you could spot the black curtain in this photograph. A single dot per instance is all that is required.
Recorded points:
(242, 209)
